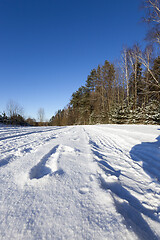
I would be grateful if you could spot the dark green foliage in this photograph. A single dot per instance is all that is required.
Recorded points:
(103, 99)
(17, 120)
(31, 122)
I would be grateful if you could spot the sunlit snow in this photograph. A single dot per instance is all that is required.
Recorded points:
(80, 182)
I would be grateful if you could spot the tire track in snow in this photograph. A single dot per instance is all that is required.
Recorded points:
(48, 164)
(128, 205)
(108, 149)
(130, 208)
(20, 132)
(48, 205)
(13, 148)
(17, 149)
(24, 134)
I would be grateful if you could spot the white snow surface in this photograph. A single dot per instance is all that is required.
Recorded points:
(80, 182)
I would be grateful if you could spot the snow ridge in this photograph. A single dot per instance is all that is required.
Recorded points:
(47, 165)
(80, 182)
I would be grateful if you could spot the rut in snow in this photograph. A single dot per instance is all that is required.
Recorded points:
(24, 134)
(126, 204)
(47, 165)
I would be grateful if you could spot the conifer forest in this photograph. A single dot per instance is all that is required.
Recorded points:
(127, 91)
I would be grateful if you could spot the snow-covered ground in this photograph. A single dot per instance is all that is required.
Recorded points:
(80, 182)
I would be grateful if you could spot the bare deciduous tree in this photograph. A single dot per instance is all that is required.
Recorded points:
(153, 18)
(153, 10)
(41, 114)
(14, 109)
(145, 59)
(133, 57)
(125, 69)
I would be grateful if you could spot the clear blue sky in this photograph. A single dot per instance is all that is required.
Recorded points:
(48, 47)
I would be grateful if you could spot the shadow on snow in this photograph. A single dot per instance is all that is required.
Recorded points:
(130, 208)
(40, 170)
(149, 154)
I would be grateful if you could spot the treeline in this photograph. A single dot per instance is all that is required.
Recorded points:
(19, 120)
(13, 120)
(130, 94)
(125, 92)
(14, 115)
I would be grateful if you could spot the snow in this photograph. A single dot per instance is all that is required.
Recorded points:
(80, 182)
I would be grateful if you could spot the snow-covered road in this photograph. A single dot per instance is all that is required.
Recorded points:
(80, 182)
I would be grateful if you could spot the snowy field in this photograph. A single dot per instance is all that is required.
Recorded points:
(80, 182)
